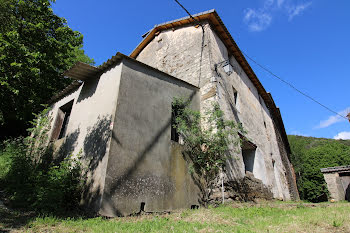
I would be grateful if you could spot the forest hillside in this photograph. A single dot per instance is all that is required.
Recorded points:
(309, 155)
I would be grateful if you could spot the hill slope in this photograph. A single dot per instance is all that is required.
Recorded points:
(309, 155)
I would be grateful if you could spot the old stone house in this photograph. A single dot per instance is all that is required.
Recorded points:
(118, 115)
(338, 182)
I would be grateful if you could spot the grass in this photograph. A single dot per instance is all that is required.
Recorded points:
(237, 217)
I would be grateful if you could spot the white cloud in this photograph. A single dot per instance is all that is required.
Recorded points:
(333, 119)
(296, 10)
(257, 21)
(268, 3)
(280, 3)
(261, 18)
(342, 135)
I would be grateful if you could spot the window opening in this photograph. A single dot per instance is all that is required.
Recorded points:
(248, 154)
(175, 111)
(62, 119)
(235, 95)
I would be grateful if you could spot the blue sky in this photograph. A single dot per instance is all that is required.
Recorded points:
(305, 42)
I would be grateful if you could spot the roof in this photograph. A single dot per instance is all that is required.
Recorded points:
(336, 169)
(81, 72)
(213, 18)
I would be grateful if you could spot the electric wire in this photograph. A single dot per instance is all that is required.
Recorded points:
(270, 72)
(292, 86)
(187, 12)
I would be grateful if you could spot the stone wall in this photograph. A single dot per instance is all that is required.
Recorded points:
(338, 182)
(335, 187)
(194, 55)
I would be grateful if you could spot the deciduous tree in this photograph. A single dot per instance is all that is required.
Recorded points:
(36, 47)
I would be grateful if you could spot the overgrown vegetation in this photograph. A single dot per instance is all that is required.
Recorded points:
(207, 140)
(309, 155)
(33, 178)
(36, 47)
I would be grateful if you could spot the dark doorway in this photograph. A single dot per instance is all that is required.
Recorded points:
(248, 154)
(345, 180)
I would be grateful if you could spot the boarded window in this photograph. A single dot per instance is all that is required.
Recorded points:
(62, 119)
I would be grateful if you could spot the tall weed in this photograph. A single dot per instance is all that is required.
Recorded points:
(33, 179)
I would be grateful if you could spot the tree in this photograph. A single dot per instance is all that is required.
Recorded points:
(36, 47)
(309, 155)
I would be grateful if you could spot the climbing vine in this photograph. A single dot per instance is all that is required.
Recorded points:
(207, 141)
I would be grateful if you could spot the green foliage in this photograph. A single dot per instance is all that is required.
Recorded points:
(8, 150)
(34, 179)
(36, 47)
(206, 144)
(309, 155)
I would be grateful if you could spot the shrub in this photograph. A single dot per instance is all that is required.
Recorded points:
(34, 179)
(208, 145)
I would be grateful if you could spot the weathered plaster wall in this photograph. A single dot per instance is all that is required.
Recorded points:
(190, 55)
(89, 128)
(144, 165)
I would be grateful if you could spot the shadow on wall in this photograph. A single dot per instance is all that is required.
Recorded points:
(347, 193)
(95, 146)
(117, 184)
(69, 145)
(88, 89)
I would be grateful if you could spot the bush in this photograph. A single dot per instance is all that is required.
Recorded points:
(33, 179)
(207, 145)
(8, 149)
(309, 155)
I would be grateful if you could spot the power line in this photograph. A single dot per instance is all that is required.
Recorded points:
(187, 12)
(270, 72)
(293, 87)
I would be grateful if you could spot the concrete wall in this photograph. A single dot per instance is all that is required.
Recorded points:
(144, 166)
(89, 127)
(120, 126)
(190, 55)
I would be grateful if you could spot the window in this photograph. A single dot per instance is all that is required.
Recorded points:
(175, 111)
(234, 99)
(62, 119)
(248, 154)
(248, 159)
(235, 95)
